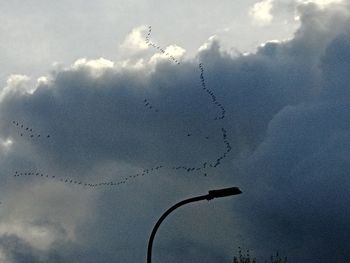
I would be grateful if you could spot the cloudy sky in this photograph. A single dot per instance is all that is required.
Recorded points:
(112, 111)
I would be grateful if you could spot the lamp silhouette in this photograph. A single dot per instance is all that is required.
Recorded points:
(211, 195)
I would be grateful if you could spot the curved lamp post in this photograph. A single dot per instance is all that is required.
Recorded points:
(211, 195)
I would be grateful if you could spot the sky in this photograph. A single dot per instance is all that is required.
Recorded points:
(112, 111)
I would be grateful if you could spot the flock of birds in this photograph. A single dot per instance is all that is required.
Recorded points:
(148, 105)
(27, 131)
(144, 172)
(158, 47)
(213, 164)
(212, 95)
(203, 168)
(88, 184)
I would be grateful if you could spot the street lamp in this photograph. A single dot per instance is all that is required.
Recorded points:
(211, 195)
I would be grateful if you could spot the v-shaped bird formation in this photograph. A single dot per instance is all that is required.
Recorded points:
(160, 49)
(72, 181)
(203, 168)
(26, 131)
(211, 94)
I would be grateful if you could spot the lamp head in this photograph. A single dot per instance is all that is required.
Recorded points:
(223, 192)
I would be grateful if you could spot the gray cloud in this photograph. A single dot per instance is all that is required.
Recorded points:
(286, 120)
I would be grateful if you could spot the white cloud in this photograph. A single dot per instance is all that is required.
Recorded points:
(321, 3)
(42, 80)
(96, 66)
(38, 236)
(261, 12)
(173, 50)
(135, 40)
(17, 83)
(6, 144)
(132, 64)
(208, 43)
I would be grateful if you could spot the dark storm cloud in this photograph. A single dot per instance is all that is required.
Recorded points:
(303, 181)
(94, 117)
(302, 167)
(287, 113)
(19, 251)
(16, 250)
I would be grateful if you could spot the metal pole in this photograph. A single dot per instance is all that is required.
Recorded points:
(212, 194)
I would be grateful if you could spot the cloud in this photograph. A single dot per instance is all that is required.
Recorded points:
(304, 181)
(174, 51)
(286, 119)
(16, 83)
(321, 3)
(135, 40)
(261, 12)
(95, 66)
(264, 12)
